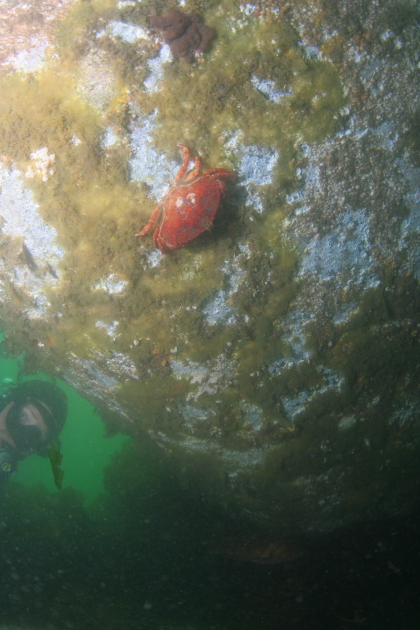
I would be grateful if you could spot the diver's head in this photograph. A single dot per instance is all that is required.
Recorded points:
(37, 416)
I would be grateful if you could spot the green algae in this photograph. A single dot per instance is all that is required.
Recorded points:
(200, 104)
(42, 110)
(96, 210)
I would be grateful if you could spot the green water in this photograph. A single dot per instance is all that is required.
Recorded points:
(86, 450)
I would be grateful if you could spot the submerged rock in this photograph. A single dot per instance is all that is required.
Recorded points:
(275, 358)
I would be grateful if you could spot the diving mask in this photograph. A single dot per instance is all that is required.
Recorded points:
(27, 437)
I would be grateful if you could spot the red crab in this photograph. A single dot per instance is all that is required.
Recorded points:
(189, 207)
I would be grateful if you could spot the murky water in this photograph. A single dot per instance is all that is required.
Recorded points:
(266, 373)
(151, 553)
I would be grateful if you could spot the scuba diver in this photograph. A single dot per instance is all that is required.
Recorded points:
(32, 415)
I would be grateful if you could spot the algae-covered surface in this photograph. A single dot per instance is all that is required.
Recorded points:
(275, 357)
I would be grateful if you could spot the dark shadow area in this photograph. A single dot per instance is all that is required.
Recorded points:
(152, 555)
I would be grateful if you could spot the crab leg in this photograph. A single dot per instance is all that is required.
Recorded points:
(195, 172)
(152, 220)
(221, 172)
(157, 241)
(184, 168)
(156, 238)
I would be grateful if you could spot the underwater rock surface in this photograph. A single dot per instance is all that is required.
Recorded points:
(275, 358)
